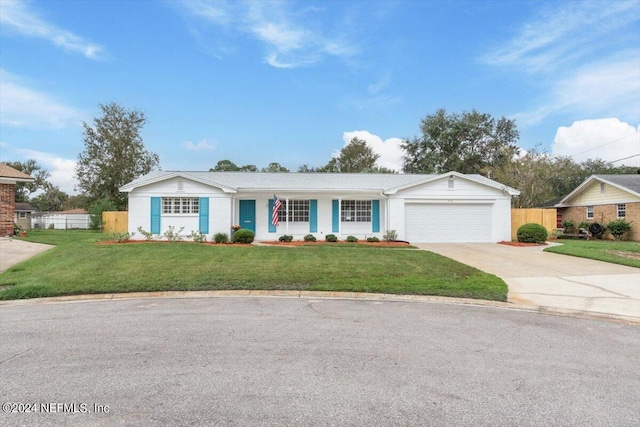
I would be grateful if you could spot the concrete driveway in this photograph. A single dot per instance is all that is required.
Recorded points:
(549, 280)
(13, 251)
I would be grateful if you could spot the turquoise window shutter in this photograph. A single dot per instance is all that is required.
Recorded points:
(204, 215)
(155, 215)
(335, 209)
(272, 228)
(313, 216)
(375, 216)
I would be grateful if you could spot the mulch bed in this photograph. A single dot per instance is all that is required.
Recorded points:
(520, 244)
(303, 243)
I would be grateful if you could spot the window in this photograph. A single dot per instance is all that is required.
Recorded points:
(603, 189)
(356, 211)
(180, 205)
(558, 220)
(622, 210)
(298, 211)
(589, 212)
(24, 214)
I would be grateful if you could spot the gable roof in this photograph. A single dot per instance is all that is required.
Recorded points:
(627, 182)
(231, 182)
(7, 171)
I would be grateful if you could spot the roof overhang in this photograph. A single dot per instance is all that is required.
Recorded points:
(489, 183)
(586, 183)
(127, 188)
(10, 180)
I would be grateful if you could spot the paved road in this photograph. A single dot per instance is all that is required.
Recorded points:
(301, 361)
(545, 279)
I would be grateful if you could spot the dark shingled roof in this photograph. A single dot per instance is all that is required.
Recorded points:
(631, 182)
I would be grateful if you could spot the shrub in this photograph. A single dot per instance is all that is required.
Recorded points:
(285, 238)
(197, 236)
(172, 235)
(221, 238)
(352, 239)
(331, 238)
(120, 237)
(568, 224)
(372, 239)
(243, 236)
(95, 212)
(310, 238)
(390, 235)
(532, 233)
(618, 228)
(147, 234)
(584, 224)
(51, 227)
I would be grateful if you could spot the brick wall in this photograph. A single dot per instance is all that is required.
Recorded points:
(603, 214)
(7, 207)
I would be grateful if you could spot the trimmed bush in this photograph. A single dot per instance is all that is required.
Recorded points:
(352, 239)
(310, 238)
(221, 238)
(331, 238)
(584, 224)
(532, 233)
(243, 236)
(568, 224)
(618, 228)
(372, 239)
(285, 238)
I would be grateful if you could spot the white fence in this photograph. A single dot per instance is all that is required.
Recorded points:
(61, 221)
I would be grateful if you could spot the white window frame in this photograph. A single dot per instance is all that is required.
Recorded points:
(589, 212)
(355, 211)
(180, 205)
(22, 215)
(298, 211)
(621, 210)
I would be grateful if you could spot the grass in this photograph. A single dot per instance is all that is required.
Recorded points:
(78, 265)
(624, 253)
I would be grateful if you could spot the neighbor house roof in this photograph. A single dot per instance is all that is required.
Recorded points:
(231, 182)
(628, 182)
(7, 171)
(24, 207)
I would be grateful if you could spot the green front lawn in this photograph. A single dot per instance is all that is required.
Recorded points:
(625, 253)
(79, 265)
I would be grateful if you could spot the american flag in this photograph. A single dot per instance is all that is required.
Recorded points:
(275, 219)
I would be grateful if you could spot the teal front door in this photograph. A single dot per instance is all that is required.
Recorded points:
(248, 214)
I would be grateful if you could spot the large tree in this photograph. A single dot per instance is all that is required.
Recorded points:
(37, 171)
(114, 154)
(52, 199)
(465, 143)
(275, 167)
(355, 157)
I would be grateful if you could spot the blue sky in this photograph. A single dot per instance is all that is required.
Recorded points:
(292, 82)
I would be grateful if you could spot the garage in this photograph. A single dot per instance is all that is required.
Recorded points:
(450, 222)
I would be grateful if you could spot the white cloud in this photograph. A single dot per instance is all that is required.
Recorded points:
(608, 139)
(25, 107)
(62, 171)
(18, 17)
(390, 150)
(287, 43)
(202, 145)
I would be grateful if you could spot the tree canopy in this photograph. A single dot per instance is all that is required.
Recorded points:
(37, 171)
(114, 154)
(52, 199)
(465, 143)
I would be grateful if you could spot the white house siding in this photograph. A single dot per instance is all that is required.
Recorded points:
(592, 195)
(140, 208)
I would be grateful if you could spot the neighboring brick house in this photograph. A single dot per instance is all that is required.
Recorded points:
(8, 179)
(604, 198)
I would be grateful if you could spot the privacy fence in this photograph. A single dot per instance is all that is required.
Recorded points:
(115, 222)
(544, 217)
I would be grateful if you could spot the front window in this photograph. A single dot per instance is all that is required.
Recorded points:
(298, 211)
(356, 211)
(180, 205)
(589, 212)
(622, 211)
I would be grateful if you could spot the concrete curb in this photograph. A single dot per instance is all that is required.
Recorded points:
(321, 295)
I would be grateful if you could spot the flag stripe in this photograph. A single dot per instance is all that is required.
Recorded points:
(275, 220)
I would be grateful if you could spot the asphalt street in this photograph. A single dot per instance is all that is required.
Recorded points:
(302, 361)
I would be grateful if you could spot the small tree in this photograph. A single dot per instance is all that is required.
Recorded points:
(95, 212)
(618, 228)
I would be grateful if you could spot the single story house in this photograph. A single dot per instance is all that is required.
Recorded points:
(22, 215)
(450, 207)
(604, 198)
(62, 220)
(8, 179)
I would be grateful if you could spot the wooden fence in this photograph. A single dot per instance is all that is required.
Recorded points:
(116, 222)
(544, 217)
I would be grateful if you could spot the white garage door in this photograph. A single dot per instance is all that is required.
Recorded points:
(437, 223)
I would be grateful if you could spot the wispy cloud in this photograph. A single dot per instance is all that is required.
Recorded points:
(200, 146)
(61, 170)
(24, 107)
(19, 17)
(582, 56)
(277, 25)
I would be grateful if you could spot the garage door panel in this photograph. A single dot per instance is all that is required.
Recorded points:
(431, 223)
